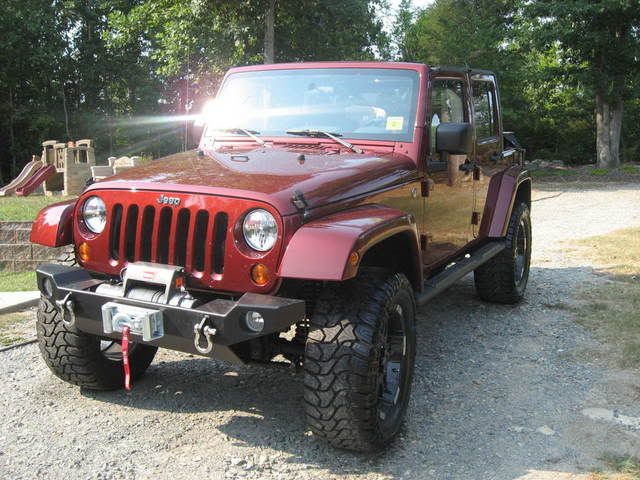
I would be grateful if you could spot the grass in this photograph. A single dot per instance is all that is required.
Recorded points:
(625, 172)
(621, 468)
(18, 209)
(17, 281)
(611, 310)
(617, 253)
(14, 327)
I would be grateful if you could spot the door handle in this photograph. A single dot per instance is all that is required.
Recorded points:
(467, 166)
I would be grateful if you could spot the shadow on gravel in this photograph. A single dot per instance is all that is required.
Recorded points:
(494, 392)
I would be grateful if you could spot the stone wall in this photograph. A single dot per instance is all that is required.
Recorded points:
(17, 253)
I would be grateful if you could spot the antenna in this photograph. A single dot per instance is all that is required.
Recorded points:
(187, 106)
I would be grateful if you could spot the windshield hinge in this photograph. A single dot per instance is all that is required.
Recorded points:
(300, 203)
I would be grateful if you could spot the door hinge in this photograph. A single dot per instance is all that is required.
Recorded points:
(426, 186)
(475, 218)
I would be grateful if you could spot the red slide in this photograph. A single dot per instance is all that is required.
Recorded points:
(36, 180)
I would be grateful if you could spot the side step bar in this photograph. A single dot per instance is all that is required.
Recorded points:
(433, 286)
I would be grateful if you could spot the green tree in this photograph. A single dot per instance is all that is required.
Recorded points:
(28, 84)
(599, 42)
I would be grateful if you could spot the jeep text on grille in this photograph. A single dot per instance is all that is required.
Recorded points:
(164, 200)
(317, 214)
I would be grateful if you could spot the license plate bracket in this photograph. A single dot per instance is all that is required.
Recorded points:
(145, 322)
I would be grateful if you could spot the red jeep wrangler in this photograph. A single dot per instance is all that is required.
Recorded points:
(326, 202)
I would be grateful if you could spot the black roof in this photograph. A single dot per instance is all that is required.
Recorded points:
(458, 69)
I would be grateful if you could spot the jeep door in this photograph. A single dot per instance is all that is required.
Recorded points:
(488, 156)
(449, 189)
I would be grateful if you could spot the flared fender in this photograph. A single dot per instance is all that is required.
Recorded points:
(503, 190)
(52, 227)
(321, 249)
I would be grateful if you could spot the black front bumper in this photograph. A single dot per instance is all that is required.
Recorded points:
(226, 316)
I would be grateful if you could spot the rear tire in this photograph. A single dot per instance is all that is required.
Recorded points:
(79, 358)
(503, 279)
(359, 360)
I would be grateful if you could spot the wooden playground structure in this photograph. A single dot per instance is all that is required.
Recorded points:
(63, 169)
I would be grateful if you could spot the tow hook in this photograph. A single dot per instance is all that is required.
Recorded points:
(203, 329)
(65, 307)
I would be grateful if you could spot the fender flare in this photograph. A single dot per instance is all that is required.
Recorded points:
(503, 190)
(53, 225)
(321, 249)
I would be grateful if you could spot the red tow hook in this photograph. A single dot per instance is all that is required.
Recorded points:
(125, 359)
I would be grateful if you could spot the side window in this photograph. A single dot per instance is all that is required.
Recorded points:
(447, 105)
(484, 109)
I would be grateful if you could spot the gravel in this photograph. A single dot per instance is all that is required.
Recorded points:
(499, 392)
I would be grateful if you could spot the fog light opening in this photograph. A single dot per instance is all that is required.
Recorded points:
(47, 287)
(254, 321)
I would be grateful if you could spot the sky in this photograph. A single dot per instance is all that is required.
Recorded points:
(416, 3)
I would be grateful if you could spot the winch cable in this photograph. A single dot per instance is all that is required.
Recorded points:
(16, 345)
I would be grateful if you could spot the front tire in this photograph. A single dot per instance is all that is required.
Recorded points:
(83, 359)
(503, 279)
(359, 360)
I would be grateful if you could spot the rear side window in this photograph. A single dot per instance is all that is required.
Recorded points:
(484, 109)
(447, 105)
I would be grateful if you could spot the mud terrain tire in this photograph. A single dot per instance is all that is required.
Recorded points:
(79, 358)
(503, 279)
(359, 361)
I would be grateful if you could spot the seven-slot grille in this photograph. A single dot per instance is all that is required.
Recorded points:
(194, 239)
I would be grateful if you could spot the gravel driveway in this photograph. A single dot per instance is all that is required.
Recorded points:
(499, 392)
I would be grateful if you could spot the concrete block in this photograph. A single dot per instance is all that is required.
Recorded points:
(22, 235)
(40, 252)
(11, 251)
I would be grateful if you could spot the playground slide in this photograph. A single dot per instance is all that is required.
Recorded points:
(27, 172)
(35, 180)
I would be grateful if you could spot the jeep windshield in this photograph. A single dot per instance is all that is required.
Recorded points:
(356, 103)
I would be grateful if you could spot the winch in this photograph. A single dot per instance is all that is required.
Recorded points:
(152, 282)
(149, 282)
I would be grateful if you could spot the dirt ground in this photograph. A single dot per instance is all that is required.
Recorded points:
(500, 392)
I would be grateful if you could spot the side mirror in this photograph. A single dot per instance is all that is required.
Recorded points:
(454, 138)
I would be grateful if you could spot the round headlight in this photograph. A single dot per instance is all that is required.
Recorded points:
(94, 214)
(260, 230)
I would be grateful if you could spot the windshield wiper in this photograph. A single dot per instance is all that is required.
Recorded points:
(320, 133)
(243, 131)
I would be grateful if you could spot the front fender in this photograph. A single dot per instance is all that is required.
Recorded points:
(320, 250)
(52, 226)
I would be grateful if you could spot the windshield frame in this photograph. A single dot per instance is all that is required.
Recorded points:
(416, 107)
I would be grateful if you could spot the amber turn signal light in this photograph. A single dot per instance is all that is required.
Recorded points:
(354, 258)
(260, 274)
(84, 251)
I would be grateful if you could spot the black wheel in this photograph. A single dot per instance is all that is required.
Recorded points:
(82, 359)
(359, 361)
(504, 278)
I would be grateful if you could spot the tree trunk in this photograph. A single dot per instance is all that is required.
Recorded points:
(608, 127)
(269, 33)
(66, 112)
(12, 136)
